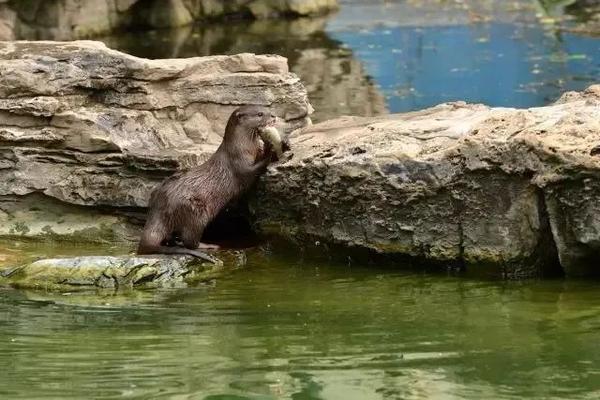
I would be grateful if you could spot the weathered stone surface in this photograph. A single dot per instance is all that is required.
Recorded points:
(36, 216)
(76, 19)
(455, 183)
(90, 126)
(116, 272)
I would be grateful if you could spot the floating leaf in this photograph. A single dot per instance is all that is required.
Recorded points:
(577, 56)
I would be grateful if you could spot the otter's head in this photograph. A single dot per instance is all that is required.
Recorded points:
(252, 118)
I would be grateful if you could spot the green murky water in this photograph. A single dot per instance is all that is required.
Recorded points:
(307, 330)
(285, 328)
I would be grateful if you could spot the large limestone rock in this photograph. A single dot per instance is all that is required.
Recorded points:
(458, 184)
(76, 19)
(83, 125)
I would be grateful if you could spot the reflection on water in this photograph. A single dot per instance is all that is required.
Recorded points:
(308, 331)
(370, 60)
(497, 64)
(283, 329)
(375, 57)
(336, 81)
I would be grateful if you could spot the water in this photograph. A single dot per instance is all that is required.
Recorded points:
(307, 330)
(495, 64)
(292, 329)
(395, 56)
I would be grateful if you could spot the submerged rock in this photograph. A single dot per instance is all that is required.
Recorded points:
(459, 183)
(102, 272)
(82, 125)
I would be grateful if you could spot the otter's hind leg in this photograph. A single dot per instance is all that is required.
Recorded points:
(156, 232)
(191, 237)
(153, 235)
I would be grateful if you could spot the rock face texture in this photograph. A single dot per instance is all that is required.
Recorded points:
(107, 272)
(82, 125)
(458, 184)
(76, 19)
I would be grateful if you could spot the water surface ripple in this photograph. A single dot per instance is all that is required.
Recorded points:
(279, 330)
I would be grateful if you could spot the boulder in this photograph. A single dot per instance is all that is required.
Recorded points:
(110, 272)
(82, 125)
(458, 184)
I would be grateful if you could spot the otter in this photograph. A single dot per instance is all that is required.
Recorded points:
(183, 205)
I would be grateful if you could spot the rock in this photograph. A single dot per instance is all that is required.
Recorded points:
(38, 216)
(83, 125)
(77, 19)
(458, 184)
(124, 272)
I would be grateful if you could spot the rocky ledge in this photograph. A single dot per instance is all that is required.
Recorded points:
(86, 131)
(125, 272)
(458, 184)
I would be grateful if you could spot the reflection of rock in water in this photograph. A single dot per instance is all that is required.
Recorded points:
(8, 19)
(73, 19)
(337, 84)
(59, 19)
(587, 13)
(336, 81)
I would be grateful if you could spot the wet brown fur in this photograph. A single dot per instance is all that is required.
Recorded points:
(185, 203)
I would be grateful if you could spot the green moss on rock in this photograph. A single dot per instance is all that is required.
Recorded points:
(123, 272)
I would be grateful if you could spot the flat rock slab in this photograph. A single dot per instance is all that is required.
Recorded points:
(116, 272)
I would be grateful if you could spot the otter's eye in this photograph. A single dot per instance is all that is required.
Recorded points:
(260, 114)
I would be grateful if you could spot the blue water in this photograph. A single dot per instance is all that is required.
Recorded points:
(497, 64)
(364, 61)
